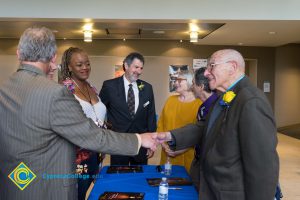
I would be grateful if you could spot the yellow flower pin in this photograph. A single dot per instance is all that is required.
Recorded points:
(141, 86)
(228, 96)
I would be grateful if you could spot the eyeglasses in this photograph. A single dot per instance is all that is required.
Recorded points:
(180, 79)
(212, 65)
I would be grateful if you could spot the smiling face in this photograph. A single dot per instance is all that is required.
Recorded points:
(134, 70)
(181, 84)
(80, 66)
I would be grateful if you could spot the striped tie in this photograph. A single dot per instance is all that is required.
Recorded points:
(131, 101)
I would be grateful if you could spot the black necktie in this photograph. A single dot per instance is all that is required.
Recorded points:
(131, 101)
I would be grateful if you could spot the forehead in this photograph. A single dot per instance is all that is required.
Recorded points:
(216, 57)
(79, 55)
(136, 63)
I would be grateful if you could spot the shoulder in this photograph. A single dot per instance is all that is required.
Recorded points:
(172, 99)
(112, 82)
(143, 84)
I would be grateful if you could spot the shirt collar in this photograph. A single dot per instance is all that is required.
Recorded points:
(126, 82)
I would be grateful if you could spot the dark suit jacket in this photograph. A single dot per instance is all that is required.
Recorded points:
(238, 156)
(41, 122)
(112, 94)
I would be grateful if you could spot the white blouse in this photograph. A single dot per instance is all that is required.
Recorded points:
(96, 111)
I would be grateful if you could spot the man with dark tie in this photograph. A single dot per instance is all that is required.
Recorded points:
(130, 106)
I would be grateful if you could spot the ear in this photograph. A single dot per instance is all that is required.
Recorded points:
(233, 67)
(53, 59)
(18, 54)
(126, 66)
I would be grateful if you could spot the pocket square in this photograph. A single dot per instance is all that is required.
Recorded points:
(146, 104)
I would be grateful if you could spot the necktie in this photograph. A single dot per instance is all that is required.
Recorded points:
(131, 101)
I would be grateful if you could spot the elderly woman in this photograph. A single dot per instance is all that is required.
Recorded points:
(179, 110)
(76, 68)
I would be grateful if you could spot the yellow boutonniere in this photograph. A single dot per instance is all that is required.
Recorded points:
(227, 98)
(141, 86)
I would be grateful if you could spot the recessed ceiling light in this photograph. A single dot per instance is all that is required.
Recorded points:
(159, 32)
(240, 43)
(272, 32)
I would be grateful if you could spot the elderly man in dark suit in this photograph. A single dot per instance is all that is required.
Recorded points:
(41, 123)
(130, 106)
(238, 157)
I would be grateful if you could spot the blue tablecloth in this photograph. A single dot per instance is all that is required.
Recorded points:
(136, 182)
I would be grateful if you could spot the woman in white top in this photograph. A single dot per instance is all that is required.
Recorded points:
(76, 68)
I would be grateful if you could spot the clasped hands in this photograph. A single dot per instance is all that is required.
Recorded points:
(152, 140)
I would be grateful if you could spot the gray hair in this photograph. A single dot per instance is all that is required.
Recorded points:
(200, 79)
(189, 75)
(37, 44)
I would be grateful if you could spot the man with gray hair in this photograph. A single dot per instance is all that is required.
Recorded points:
(42, 122)
(238, 157)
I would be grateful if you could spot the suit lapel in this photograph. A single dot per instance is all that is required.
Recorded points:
(216, 129)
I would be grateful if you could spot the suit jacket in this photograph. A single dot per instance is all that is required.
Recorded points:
(41, 122)
(238, 154)
(113, 95)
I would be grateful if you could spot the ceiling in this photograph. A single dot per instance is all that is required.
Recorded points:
(215, 32)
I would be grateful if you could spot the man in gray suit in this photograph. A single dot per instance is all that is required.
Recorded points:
(238, 158)
(41, 122)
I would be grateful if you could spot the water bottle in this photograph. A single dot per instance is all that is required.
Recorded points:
(168, 167)
(163, 189)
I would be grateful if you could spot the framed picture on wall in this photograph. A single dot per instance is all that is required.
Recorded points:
(174, 70)
(119, 70)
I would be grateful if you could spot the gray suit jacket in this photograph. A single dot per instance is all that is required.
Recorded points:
(238, 155)
(41, 122)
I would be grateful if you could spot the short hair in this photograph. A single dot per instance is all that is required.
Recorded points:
(200, 79)
(129, 59)
(37, 44)
(66, 59)
(189, 75)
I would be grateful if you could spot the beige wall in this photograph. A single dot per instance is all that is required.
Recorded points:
(159, 55)
(287, 79)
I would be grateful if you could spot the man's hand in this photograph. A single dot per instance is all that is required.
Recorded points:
(163, 137)
(149, 140)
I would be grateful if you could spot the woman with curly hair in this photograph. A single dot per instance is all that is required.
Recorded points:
(75, 70)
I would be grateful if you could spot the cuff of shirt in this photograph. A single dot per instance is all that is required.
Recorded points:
(173, 140)
(139, 142)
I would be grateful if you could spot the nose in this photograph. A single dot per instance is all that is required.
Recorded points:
(206, 72)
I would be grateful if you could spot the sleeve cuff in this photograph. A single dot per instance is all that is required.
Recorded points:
(139, 142)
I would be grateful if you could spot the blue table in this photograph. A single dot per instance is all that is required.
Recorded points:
(136, 182)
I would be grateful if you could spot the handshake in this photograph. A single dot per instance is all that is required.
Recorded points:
(152, 140)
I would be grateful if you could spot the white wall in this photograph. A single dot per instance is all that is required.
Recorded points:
(156, 72)
(153, 9)
(287, 88)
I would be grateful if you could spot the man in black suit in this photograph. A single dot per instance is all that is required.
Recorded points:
(238, 157)
(130, 106)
